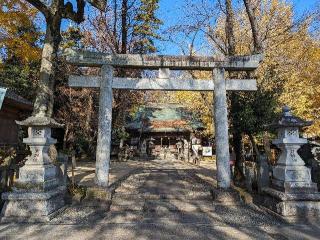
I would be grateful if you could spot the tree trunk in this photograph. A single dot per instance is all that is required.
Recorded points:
(229, 28)
(89, 111)
(43, 105)
(251, 12)
(236, 133)
(266, 144)
(237, 136)
(254, 145)
(237, 144)
(65, 137)
(124, 27)
(115, 22)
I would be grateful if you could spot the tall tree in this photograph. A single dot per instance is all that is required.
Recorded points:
(146, 26)
(235, 105)
(230, 28)
(251, 9)
(119, 30)
(124, 26)
(53, 11)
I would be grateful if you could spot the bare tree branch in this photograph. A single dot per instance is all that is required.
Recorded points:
(40, 6)
(69, 13)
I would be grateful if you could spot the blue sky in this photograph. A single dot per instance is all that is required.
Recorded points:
(171, 12)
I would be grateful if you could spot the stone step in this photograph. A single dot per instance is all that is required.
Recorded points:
(132, 184)
(176, 205)
(124, 190)
(129, 217)
(138, 203)
(150, 196)
(127, 205)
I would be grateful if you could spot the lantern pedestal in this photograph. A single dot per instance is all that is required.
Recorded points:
(292, 193)
(37, 194)
(292, 206)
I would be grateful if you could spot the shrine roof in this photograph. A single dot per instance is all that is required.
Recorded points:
(13, 98)
(164, 118)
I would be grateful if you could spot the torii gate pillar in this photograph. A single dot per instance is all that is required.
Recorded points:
(104, 127)
(221, 129)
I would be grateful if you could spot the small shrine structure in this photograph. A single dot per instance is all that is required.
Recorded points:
(163, 124)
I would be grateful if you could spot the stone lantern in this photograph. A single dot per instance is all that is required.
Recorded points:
(292, 192)
(37, 194)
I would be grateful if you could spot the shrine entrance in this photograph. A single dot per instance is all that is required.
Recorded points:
(218, 84)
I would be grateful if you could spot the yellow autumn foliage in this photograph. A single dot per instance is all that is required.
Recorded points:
(302, 88)
(16, 24)
(291, 65)
(199, 102)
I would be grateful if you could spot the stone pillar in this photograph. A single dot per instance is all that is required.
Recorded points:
(143, 148)
(221, 129)
(38, 193)
(104, 127)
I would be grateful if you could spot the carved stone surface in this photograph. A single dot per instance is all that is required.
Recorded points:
(250, 174)
(38, 173)
(37, 193)
(143, 148)
(290, 172)
(299, 205)
(34, 121)
(185, 149)
(263, 179)
(32, 206)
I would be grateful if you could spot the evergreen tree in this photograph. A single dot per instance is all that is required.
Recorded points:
(146, 26)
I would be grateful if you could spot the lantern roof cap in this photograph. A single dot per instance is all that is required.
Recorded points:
(40, 121)
(287, 119)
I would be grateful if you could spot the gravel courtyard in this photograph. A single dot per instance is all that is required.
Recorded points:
(163, 199)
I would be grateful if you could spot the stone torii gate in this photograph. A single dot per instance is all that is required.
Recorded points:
(106, 82)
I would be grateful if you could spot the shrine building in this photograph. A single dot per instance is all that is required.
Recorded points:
(164, 124)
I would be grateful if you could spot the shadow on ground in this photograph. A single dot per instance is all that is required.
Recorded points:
(163, 200)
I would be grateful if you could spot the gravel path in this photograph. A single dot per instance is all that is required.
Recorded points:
(162, 201)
